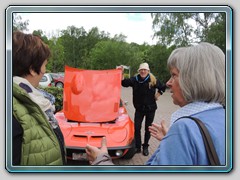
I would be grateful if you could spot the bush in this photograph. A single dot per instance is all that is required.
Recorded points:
(126, 76)
(58, 94)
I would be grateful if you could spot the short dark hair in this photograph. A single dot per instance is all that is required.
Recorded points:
(29, 52)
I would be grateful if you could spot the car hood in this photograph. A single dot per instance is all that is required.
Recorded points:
(91, 95)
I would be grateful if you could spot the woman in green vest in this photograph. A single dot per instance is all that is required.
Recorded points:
(36, 136)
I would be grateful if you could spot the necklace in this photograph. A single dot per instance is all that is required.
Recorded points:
(143, 80)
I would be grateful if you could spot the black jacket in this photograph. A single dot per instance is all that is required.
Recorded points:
(17, 134)
(143, 95)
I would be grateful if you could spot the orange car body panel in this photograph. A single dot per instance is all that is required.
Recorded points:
(92, 110)
(91, 95)
(118, 134)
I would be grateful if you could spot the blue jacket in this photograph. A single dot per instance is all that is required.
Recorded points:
(183, 144)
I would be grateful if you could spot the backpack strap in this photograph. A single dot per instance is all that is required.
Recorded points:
(210, 149)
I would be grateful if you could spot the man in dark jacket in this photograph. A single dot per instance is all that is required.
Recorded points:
(144, 86)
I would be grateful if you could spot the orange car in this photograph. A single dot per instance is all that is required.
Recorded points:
(92, 109)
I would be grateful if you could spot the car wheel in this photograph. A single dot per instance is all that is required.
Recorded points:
(59, 85)
(130, 152)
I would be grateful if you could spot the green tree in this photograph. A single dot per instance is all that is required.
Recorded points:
(69, 41)
(56, 61)
(182, 29)
(18, 24)
(158, 56)
(119, 37)
(172, 28)
(78, 43)
(216, 33)
(41, 34)
(109, 54)
(93, 36)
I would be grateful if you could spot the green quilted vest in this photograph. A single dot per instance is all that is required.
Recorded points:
(40, 145)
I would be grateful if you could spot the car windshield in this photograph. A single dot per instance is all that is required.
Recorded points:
(56, 75)
(91, 95)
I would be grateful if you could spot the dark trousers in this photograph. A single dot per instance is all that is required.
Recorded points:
(138, 119)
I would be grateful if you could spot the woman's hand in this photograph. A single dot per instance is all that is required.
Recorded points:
(93, 152)
(158, 131)
(121, 68)
(157, 95)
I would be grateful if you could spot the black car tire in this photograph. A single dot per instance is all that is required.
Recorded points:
(59, 84)
(130, 152)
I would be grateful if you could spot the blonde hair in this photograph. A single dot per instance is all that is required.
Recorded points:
(153, 80)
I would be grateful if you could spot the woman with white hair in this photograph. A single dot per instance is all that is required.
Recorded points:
(197, 85)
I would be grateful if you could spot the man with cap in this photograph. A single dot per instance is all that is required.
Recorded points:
(146, 90)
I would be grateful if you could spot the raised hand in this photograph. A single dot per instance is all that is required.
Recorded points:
(121, 68)
(158, 131)
(93, 152)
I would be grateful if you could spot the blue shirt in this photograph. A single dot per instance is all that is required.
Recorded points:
(183, 144)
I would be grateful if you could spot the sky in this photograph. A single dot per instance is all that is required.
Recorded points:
(136, 26)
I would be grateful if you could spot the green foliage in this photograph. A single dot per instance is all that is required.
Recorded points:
(95, 49)
(58, 94)
(40, 34)
(216, 32)
(56, 61)
(18, 24)
(108, 54)
(182, 29)
(172, 28)
(126, 75)
(158, 56)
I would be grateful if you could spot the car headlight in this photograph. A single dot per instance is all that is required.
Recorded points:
(119, 153)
